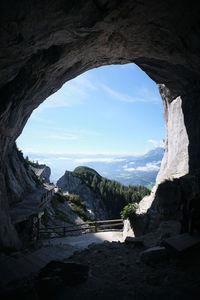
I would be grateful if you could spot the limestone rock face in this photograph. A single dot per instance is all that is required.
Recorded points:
(44, 44)
(46, 174)
(21, 186)
(74, 185)
(175, 162)
(19, 178)
(127, 230)
(43, 172)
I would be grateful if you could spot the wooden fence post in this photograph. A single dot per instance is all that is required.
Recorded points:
(95, 228)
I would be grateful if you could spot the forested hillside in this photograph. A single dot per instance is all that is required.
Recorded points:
(113, 194)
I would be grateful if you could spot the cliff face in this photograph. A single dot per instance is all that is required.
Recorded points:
(45, 44)
(72, 184)
(180, 168)
(58, 213)
(42, 171)
(23, 192)
(20, 179)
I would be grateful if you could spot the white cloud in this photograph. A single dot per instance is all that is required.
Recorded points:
(120, 96)
(42, 161)
(129, 169)
(34, 150)
(86, 132)
(157, 143)
(105, 160)
(73, 131)
(154, 166)
(54, 101)
(149, 167)
(143, 96)
(64, 158)
(72, 93)
(35, 117)
(84, 82)
(63, 138)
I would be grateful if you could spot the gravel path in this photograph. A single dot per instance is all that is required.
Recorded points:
(17, 266)
(82, 241)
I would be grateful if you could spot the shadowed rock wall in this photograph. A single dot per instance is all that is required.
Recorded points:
(46, 43)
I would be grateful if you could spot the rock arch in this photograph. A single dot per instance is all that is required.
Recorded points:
(46, 43)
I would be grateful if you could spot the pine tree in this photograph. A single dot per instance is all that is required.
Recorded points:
(94, 183)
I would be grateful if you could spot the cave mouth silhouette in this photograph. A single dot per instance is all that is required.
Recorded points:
(44, 46)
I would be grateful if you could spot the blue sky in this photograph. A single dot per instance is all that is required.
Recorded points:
(100, 116)
(111, 110)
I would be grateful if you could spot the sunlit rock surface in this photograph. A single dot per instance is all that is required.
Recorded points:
(73, 185)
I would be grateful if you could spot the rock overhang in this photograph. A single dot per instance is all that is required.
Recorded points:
(44, 45)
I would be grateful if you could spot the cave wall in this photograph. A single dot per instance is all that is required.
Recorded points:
(46, 43)
(179, 175)
(175, 162)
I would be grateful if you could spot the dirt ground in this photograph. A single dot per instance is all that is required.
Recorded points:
(116, 271)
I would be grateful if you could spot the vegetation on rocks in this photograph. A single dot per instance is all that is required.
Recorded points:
(78, 206)
(115, 195)
(59, 197)
(129, 212)
(58, 213)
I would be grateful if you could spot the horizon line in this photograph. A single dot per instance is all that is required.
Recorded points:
(27, 151)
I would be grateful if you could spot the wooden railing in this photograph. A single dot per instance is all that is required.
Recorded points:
(92, 226)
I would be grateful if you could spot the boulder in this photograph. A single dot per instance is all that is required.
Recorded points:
(183, 244)
(154, 255)
(127, 229)
(57, 274)
(136, 241)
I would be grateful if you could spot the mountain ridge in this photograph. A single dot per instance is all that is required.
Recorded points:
(105, 198)
(127, 169)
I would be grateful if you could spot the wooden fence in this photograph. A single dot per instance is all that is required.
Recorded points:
(92, 226)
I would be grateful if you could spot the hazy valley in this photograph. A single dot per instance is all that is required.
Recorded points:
(135, 170)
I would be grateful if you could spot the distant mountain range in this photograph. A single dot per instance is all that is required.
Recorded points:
(135, 170)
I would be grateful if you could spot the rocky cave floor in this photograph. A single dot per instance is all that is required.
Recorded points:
(114, 271)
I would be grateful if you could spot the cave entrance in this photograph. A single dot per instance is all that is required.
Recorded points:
(44, 46)
(109, 119)
(100, 119)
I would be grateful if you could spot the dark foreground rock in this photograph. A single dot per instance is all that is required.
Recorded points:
(57, 274)
(115, 272)
(137, 241)
(70, 273)
(154, 255)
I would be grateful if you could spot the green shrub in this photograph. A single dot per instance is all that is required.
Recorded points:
(80, 212)
(76, 200)
(78, 206)
(129, 211)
